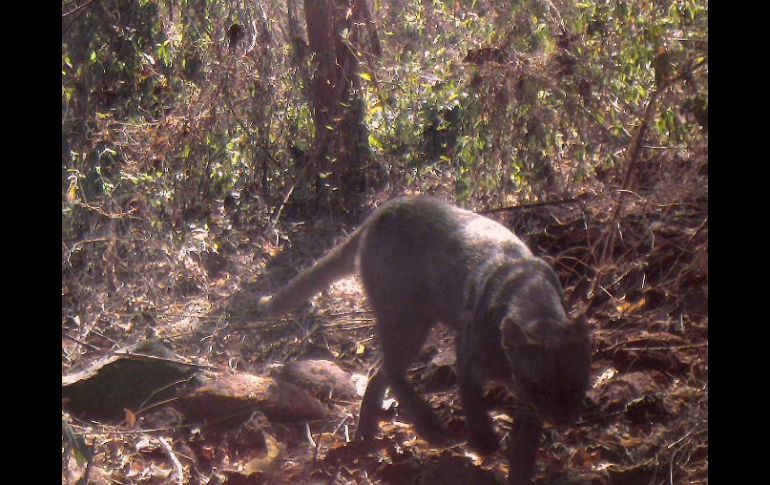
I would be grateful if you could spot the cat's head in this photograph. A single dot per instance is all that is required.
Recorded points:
(550, 363)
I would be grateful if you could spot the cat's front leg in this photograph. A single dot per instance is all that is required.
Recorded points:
(525, 439)
(371, 406)
(481, 433)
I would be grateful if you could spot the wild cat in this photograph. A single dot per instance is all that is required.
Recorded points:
(424, 261)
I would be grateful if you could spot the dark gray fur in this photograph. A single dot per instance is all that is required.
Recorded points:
(423, 261)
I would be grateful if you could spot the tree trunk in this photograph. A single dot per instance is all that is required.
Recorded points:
(341, 148)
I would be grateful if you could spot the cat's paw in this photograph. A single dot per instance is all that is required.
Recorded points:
(483, 441)
(434, 432)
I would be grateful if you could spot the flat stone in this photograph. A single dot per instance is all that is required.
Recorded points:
(238, 395)
(323, 378)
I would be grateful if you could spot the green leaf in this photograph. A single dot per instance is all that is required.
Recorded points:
(374, 142)
(81, 452)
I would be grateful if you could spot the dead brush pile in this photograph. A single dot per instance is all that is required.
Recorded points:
(640, 271)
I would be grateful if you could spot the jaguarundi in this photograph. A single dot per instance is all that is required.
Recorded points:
(424, 261)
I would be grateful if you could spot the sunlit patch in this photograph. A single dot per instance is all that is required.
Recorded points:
(605, 377)
(475, 457)
(487, 229)
(349, 285)
(347, 293)
(359, 381)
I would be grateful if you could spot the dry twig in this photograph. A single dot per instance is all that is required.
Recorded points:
(174, 460)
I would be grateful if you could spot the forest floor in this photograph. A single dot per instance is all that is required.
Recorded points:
(646, 414)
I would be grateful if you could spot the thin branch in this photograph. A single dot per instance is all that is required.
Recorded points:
(577, 198)
(632, 156)
(77, 9)
(102, 212)
(84, 344)
(174, 460)
(137, 356)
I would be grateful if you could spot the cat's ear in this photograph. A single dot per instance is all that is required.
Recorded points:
(514, 336)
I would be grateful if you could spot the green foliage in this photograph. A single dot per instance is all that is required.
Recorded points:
(76, 443)
(569, 99)
(163, 117)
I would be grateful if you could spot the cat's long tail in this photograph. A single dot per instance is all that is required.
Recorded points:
(340, 262)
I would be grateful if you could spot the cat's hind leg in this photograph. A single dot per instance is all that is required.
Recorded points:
(371, 404)
(401, 343)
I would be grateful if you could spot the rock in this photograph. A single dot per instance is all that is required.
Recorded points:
(239, 395)
(125, 380)
(323, 378)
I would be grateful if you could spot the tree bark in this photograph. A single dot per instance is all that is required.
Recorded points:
(341, 147)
